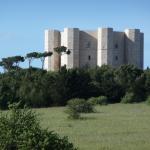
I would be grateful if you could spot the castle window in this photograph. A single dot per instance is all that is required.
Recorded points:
(116, 58)
(89, 57)
(88, 45)
(116, 45)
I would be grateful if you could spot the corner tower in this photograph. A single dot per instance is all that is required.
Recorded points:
(134, 47)
(105, 46)
(70, 39)
(52, 40)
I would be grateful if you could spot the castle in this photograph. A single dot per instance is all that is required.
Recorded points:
(95, 48)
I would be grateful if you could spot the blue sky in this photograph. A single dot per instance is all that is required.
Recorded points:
(22, 22)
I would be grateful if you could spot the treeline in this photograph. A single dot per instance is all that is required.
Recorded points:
(12, 63)
(39, 88)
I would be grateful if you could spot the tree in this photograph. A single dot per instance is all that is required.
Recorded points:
(21, 130)
(126, 75)
(7, 63)
(42, 57)
(103, 83)
(2, 65)
(11, 63)
(130, 78)
(61, 50)
(17, 60)
(31, 56)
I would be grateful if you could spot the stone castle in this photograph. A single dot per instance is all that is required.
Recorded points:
(95, 48)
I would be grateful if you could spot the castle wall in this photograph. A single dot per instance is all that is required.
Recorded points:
(95, 48)
(64, 57)
(105, 46)
(52, 40)
(141, 50)
(118, 49)
(88, 48)
(133, 47)
(71, 41)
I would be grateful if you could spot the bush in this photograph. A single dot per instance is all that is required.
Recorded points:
(20, 130)
(101, 100)
(128, 98)
(73, 114)
(80, 105)
(93, 100)
(77, 106)
(148, 100)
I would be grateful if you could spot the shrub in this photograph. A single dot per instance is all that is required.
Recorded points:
(93, 100)
(148, 100)
(101, 100)
(77, 106)
(20, 130)
(73, 113)
(80, 105)
(128, 98)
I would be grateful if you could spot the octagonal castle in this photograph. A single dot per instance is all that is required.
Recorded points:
(95, 48)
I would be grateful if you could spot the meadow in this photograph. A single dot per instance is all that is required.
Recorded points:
(111, 127)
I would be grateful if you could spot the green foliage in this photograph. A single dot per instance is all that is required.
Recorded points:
(127, 74)
(68, 84)
(147, 82)
(42, 57)
(61, 49)
(20, 130)
(80, 105)
(104, 83)
(101, 100)
(39, 88)
(72, 113)
(93, 101)
(77, 106)
(31, 56)
(11, 63)
(132, 79)
(128, 98)
(148, 100)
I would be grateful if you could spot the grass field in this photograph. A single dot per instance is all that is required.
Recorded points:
(112, 127)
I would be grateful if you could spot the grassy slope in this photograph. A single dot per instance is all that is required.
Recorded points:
(113, 127)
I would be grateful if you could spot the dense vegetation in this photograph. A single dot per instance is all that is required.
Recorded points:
(21, 130)
(39, 88)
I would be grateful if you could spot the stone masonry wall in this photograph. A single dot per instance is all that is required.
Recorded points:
(52, 40)
(133, 47)
(88, 48)
(95, 48)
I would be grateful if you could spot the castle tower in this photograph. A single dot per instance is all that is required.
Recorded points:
(70, 39)
(141, 50)
(105, 46)
(52, 40)
(134, 47)
(95, 47)
(118, 49)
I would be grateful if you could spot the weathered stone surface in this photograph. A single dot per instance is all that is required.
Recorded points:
(95, 48)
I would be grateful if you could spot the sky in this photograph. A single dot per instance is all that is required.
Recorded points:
(22, 22)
